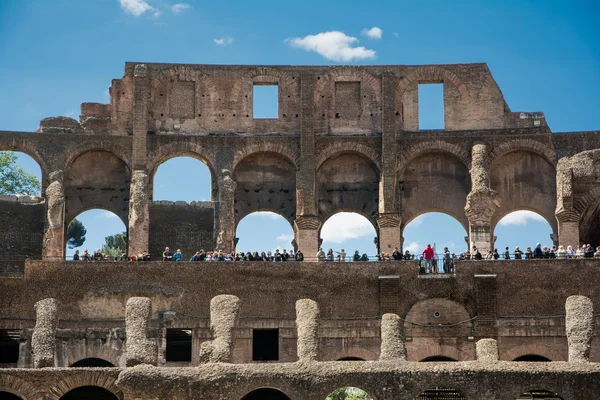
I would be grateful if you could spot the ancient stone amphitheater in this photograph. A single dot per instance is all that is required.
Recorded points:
(345, 139)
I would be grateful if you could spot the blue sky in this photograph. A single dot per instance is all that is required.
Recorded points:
(545, 56)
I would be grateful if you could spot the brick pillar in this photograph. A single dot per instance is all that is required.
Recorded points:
(389, 232)
(486, 294)
(306, 230)
(54, 237)
(226, 212)
(482, 201)
(139, 196)
(389, 292)
(566, 215)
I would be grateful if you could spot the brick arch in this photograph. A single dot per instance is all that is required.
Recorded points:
(435, 349)
(280, 148)
(182, 149)
(347, 73)
(32, 152)
(489, 85)
(461, 219)
(17, 386)
(114, 149)
(339, 147)
(86, 378)
(545, 150)
(584, 201)
(463, 153)
(533, 348)
(239, 218)
(432, 73)
(285, 80)
(357, 352)
(550, 219)
(106, 353)
(124, 217)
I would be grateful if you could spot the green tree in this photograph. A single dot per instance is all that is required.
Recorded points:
(76, 234)
(348, 393)
(115, 245)
(14, 179)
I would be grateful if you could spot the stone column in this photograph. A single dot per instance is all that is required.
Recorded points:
(306, 229)
(579, 323)
(566, 215)
(307, 323)
(482, 201)
(138, 348)
(43, 341)
(306, 176)
(487, 350)
(54, 238)
(392, 339)
(140, 116)
(139, 212)
(226, 212)
(389, 232)
(224, 310)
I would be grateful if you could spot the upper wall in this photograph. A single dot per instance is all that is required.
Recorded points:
(201, 99)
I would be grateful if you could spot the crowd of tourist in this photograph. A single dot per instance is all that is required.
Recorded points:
(219, 255)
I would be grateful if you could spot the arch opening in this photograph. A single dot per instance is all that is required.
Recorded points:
(438, 359)
(532, 358)
(168, 185)
(440, 230)
(589, 225)
(441, 393)
(523, 229)
(266, 394)
(89, 393)
(539, 394)
(9, 396)
(265, 232)
(96, 235)
(351, 359)
(20, 174)
(347, 235)
(348, 393)
(92, 362)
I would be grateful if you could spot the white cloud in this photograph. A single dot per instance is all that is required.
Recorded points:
(334, 45)
(344, 226)
(520, 218)
(106, 215)
(284, 238)
(225, 41)
(157, 14)
(136, 7)
(373, 33)
(413, 248)
(179, 7)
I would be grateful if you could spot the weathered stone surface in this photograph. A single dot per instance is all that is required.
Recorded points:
(139, 220)
(54, 238)
(139, 349)
(487, 350)
(579, 325)
(307, 323)
(224, 310)
(392, 338)
(43, 339)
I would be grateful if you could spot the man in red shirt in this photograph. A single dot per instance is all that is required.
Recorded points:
(428, 256)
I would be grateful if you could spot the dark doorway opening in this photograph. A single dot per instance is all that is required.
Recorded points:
(9, 347)
(265, 344)
(89, 393)
(179, 345)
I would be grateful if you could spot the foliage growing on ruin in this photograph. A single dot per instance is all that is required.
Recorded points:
(348, 393)
(76, 234)
(14, 180)
(115, 245)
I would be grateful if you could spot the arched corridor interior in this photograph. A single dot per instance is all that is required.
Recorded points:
(99, 224)
(351, 232)
(13, 165)
(265, 394)
(264, 231)
(92, 362)
(9, 396)
(435, 228)
(182, 179)
(89, 393)
(524, 229)
(532, 358)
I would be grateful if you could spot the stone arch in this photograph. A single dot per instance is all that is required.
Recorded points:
(432, 73)
(339, 147)
(92, 362)
(550, 219)
(547, 351)
(265, 181)
(462, 153)
(112, 147)
(588, 206)
(355, 352)
(266, 393)
(348, 182)
(489, 87)
(17, 386)
(460, 218)
(86, 378)
(280, 148)
(436, 350)
(545, 150)
(82, 351)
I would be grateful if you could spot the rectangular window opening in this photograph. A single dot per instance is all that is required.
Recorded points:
(265, 102)
(431, 106)
(179, 345)
(9, 347)
(265, 344)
